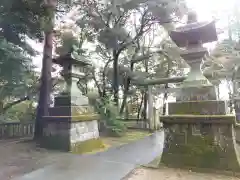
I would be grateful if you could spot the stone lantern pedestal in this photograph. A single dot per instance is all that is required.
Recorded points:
(72, 125)
(199, 133)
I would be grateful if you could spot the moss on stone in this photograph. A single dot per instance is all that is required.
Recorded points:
(82, 110)
(201, 152)
(200, 116)
(86, 117)
(87, 146)
(224, 119)
(198, 107)
(79, 118)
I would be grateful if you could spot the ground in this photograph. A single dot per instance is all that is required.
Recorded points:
(18, 157)
(130, 136)
(173, 174)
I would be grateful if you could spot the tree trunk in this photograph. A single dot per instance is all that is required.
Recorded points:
(115, 77)
(124, 102)
(140, 106)
(128, 81)
(145, 100)
(45, 88)
(165, 96)
(126, 90)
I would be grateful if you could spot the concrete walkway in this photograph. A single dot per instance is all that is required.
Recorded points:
(112, 164)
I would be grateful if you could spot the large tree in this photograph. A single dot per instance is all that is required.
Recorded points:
(112, 22)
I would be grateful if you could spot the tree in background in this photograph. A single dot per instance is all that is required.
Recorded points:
(17, 76)
(112, 27)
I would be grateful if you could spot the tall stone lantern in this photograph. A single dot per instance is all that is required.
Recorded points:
(198, 130)
(190, 39)
(72, 122)
(72, 71)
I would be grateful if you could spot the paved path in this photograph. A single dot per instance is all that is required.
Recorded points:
(113, 164)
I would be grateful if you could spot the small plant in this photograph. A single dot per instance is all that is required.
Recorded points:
(109, 115)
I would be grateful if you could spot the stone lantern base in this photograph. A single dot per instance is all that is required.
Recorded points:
(200, 142)
(77, 134)
(199, 134)
(71, 126)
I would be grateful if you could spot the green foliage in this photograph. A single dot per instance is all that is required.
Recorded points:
(20, 18)
(109, 114)
(200, 152)
(23, 112)
(16, 70)
(25, 18)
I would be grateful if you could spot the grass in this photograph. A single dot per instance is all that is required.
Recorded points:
(108, 142)
(130, 136)
(89, 146)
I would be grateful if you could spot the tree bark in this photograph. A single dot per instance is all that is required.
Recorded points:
(145, 100)
(115, 77)
(165, 87)
(140, 106)
(45, 88)
(128, 81)
(165, 96)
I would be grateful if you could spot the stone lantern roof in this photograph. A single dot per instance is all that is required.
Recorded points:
(194, 32)
(69, 59)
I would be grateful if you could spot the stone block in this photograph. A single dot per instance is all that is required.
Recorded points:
(70, 110)
(196, 119)
(61, 134)
(198, 107)
(201, 93)
(67, 100)
(204, 150)
(237, 133)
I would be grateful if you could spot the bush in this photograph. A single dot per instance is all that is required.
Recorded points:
(23, 112)
(109, 116)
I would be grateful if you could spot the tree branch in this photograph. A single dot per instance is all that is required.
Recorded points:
(28, 97)
(9, 105)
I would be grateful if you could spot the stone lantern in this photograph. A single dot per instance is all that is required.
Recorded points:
(72, 121)
(190, 39)
(198, 131)
(73, 70)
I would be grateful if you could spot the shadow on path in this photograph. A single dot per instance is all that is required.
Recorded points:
(112, 164)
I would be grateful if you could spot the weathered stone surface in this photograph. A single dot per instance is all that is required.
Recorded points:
(214, 149)
(237, 133)
(198, 107)
(63, 134)
(67, 100)
(208, 140)
(82, 131)
(70, 110)
(197, 93)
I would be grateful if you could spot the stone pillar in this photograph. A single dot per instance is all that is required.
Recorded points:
(150, 109)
